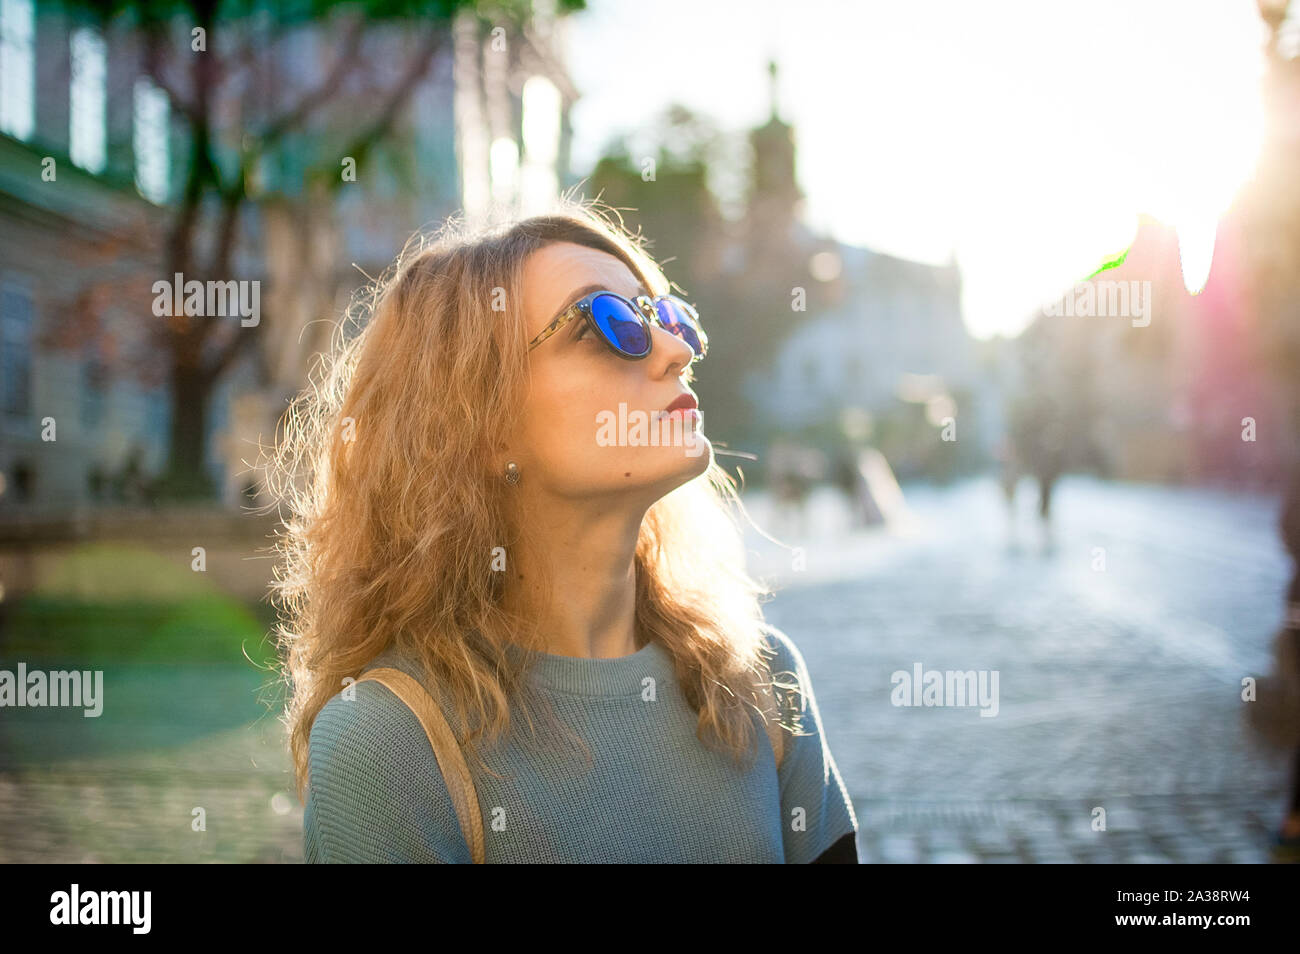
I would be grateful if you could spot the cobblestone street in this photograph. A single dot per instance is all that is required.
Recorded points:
(1119, 687)
(1118, 690)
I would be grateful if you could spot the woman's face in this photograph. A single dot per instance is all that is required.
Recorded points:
(571, 439)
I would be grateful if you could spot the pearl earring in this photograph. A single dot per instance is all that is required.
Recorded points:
(512, 473)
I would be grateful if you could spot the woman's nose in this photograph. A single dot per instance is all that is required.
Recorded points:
(672, 347)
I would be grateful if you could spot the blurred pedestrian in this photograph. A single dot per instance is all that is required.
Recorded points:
(1275, 714)
(794, 470)
(132, 482)
(1009, 471)
(849, 480)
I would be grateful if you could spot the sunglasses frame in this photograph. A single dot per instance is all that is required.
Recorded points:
(644, 305)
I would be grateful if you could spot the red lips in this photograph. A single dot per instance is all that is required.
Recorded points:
(682, 402)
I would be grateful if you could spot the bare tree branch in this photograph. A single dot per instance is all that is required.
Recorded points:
(247, 53)
(315, 98)
(416, 68)
(152, 64)
(237, 343)
(232, 202)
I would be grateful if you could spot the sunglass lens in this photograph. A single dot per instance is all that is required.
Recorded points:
(621, 324)
(678, 319)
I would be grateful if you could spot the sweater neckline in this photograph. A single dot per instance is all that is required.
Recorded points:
(596, 676)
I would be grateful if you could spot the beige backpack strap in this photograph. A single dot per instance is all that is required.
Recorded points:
(451, 761)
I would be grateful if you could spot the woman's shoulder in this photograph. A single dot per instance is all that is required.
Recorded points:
(365, 727)
(374, 787)
(784, 655)
(789, 671)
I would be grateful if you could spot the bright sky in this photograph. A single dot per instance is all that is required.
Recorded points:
(1026, 136)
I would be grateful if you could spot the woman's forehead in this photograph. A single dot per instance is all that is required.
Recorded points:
(554, 273)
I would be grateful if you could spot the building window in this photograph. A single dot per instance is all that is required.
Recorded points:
(158, 418)
(86, 129)
(94, 384)
(17, 317)
(152, 159)
(17, 68)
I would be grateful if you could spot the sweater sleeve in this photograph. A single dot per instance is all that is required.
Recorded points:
(375, 794)
(816, 811)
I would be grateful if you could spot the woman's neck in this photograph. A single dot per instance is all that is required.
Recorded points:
(590, 561)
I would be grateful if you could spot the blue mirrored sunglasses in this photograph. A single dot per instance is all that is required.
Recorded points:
(625, 324)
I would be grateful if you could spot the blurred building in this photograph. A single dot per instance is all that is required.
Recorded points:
(1178, 395)
(1206, 387)
(485, 129)
(82, 395)
(895, 334)
(857, 333)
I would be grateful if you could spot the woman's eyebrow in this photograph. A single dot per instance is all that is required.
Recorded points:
(575, 297)
(586, 290)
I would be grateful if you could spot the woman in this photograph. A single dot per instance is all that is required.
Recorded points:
(478, 499)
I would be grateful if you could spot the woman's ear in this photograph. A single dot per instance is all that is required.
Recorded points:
(500, 457)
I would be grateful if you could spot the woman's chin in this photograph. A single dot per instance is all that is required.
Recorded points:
(685, 462)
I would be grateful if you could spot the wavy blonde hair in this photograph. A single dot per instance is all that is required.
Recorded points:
(382, 463)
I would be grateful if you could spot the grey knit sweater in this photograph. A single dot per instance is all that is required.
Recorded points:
(652, 793)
